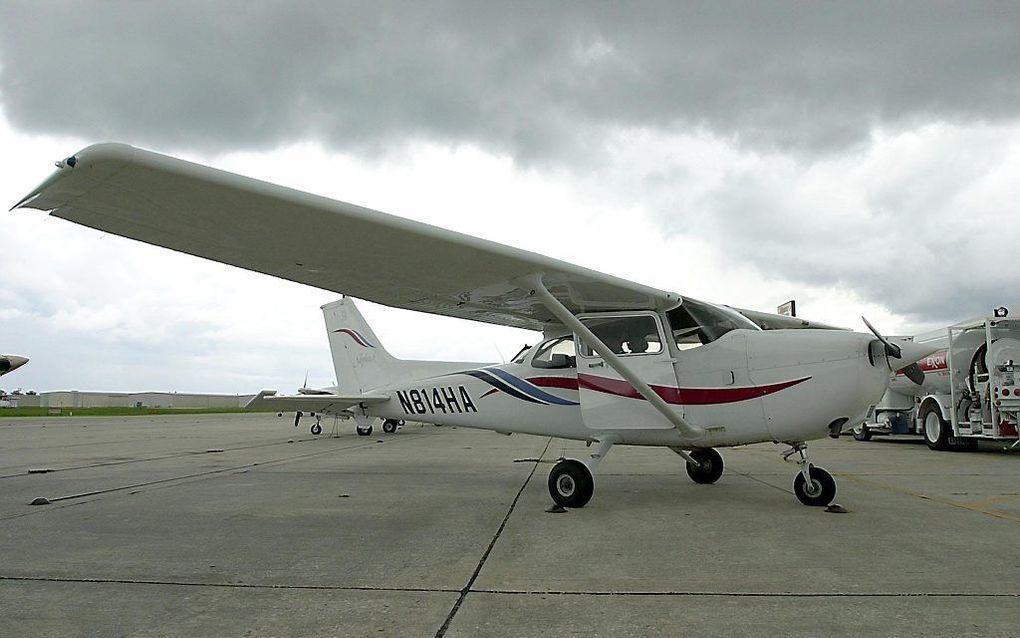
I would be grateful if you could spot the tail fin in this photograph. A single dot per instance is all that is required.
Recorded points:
(360, 361)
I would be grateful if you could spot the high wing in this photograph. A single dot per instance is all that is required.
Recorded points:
(267, 400)
(321, 242)
(770, 321)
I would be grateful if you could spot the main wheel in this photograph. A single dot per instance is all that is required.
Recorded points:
(316, 428)
(819, 492)
(571, 483)
(709, 467)
(389, 426)
(936, 430)
(862, 433)
(364, 431)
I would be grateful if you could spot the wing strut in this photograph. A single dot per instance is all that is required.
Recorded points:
(568, 319)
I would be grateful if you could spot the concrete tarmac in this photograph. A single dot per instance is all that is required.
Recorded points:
(242, 525)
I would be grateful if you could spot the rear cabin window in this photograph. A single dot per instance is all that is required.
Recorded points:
(695, 323)
(625, 335)
(555, 353)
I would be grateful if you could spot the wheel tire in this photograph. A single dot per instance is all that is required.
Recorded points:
(364, 431)
(862, 433)
(822, 489)
(710, 466)
(389, 426)
(316, 428)
(571, 483)
(934, 428)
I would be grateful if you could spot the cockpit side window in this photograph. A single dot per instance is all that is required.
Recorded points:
(555, 353)
(695, 323)
(625, 335)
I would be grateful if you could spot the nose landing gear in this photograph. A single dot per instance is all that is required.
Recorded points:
(812, 485)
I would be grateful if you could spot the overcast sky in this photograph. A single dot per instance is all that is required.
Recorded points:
(860, 157)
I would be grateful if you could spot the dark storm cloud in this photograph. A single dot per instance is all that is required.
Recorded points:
(542, 81)
(930, 240)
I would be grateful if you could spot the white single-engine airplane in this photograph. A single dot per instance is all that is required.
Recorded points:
(11, 362)
(620, 363)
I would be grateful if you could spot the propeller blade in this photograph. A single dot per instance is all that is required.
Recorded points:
(891, 349)
(914, 373)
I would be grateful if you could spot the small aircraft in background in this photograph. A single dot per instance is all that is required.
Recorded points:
(11, 362)
(304, 390)
(620, 363)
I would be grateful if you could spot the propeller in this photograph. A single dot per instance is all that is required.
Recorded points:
(891, 349)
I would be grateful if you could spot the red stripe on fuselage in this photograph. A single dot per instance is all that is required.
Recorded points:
(566, 383)
(684, 396)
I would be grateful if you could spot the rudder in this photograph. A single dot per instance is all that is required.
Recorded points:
(360, 361)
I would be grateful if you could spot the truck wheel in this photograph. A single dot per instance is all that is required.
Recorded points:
(934, 427)
(862, 433)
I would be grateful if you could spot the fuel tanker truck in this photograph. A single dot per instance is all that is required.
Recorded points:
(967, 390)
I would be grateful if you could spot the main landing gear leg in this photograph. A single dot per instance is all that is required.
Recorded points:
(572, 482)
(362, 425)
(704, 465)
(812, 485)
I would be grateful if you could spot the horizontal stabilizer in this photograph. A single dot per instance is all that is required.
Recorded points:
(267, 400)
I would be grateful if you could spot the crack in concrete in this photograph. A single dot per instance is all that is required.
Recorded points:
(492, 543)
(514, 592)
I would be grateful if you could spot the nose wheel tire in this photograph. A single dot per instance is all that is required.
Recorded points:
(819, 492)
(571, 483)
(316, 428)
(709, 467)
(389, 426)
(366, 431)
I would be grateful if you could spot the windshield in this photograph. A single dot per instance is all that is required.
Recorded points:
(695, 323)
(555, 353)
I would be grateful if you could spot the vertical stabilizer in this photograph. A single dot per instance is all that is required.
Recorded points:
(360, 361)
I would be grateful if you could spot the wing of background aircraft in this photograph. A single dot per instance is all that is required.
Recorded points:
(321, 242)
(267, 400)
(11, 362)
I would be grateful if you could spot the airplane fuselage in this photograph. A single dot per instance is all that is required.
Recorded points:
(745, 387)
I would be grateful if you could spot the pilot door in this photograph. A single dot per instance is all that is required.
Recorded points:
(607, 400)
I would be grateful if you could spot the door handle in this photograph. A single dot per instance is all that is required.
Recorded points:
(597, 364)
